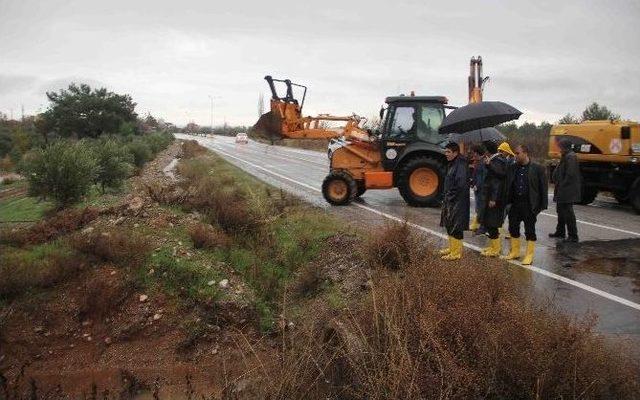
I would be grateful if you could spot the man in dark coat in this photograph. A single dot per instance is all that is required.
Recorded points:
(455, 206)
(527, 194)
(493, 192)
(567, 191)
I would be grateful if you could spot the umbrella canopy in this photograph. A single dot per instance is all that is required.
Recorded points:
(480, 115)
(477, 136)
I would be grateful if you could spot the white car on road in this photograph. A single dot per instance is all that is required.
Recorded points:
(242, 138)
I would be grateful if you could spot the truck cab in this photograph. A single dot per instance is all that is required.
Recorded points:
(410, 147)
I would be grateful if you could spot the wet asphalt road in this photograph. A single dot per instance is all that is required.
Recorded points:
(600, 275)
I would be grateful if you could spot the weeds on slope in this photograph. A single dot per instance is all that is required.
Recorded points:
(263, 233)
(437, 330)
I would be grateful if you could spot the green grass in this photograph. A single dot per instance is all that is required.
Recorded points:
(184, 278)
(23, 208)
(267, 258)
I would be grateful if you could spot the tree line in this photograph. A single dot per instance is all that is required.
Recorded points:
(86, 138)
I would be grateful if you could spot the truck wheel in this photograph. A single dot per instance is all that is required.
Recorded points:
(634, 198)
(361, 188)
(420, 182)
(621, 197)
(588, 195)
(339, 188)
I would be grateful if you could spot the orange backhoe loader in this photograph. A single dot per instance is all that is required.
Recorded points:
(405, 152)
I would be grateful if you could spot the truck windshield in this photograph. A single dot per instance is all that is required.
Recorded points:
(415, 122)
(432, 116)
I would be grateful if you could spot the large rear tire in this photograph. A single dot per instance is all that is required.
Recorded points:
(420, 181)
(634, 197)
(588, 195)
(339, 188)
(361, 188)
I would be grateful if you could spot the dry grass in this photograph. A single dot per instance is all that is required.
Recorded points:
(205, 236)
(22, 271)
(393, 247)
(191, 149)
(61, 223)
(438, 330)
(126, 249)
(102, 296)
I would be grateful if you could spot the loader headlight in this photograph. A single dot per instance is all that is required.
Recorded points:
(634, 159)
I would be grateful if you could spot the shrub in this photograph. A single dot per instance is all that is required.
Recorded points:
(6, 163)
(41, 267)
(158, 141)
(392, 246)
(122, 248)
(63, 171)
(205, 236)
(114, 163)
(232, 213)
(141, 152)
(191, 149)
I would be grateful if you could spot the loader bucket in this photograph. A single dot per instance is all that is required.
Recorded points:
(269, 127)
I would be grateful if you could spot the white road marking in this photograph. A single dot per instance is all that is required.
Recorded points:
(541, 271)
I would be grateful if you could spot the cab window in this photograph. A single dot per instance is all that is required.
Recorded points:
(430, 120)
(402, 123)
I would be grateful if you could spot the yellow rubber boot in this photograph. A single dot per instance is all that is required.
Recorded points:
(528, 256)
(494, 248)
(456, 250)
(474, 225)
(514, 251)
(446, 250)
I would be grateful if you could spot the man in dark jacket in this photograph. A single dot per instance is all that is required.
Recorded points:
(493, 193)
(567, 191)
(527, 195)
(455, 206)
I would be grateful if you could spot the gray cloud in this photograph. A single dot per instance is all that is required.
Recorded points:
(547, 58)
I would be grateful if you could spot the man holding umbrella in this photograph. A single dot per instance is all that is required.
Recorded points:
(455, 204)
(481, 115)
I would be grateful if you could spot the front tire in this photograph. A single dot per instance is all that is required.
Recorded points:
(420, 182)
(634, 198)
(339, 188)
(361, 188)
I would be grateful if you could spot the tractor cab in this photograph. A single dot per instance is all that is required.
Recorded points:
(411, 123)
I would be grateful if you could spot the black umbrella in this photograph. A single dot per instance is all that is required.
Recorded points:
(477, 136)
(477, 116)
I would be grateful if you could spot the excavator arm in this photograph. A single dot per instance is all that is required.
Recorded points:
(285, 119)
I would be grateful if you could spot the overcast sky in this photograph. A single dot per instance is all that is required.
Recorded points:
(545, 57)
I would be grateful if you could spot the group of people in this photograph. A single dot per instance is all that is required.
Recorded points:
(506, 184)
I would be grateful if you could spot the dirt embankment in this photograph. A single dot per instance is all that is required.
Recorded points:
(242, 298)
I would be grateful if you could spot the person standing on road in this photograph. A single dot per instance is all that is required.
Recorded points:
(493, 193)
(477, 180)
(455, 205)
(527, 195)
(567, 191)
(505, 151)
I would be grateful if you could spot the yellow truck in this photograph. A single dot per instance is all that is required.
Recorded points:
(609, 156)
